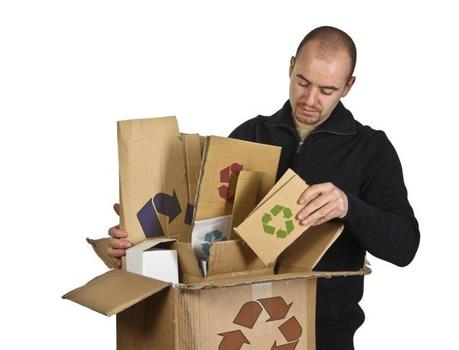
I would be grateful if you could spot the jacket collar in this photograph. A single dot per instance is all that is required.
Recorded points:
(340, 122)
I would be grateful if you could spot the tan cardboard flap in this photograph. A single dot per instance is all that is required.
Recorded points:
(232, 256)
(245, 198)
(115, 291)
(189, 271)
(273, 226)
(192, 144)
(308, 249)
(100, 246)
(288, 175)
(224, 157)
(153, 184)
(247, 280)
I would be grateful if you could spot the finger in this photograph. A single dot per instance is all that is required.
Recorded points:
(117, 262)
(314, 191)
(117, 243)
(331, 215)
(116, 207)
(315, 204)
(115, 232)
(116, 253)
(319, 213)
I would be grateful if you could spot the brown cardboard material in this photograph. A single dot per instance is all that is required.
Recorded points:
(245, 197)
(224, 157)
(242, 304)
(152, 169)
(272, 226)
(100, 247)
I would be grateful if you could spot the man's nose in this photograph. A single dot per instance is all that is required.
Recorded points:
(311, 95)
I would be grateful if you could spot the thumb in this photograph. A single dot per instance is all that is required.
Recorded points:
(116, 207)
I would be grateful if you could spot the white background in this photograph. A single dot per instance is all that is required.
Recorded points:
(70, 69)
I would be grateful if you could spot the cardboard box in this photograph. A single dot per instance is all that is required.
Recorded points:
(153, 258)
(241, 304)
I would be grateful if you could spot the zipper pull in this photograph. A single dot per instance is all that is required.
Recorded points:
(298, 149)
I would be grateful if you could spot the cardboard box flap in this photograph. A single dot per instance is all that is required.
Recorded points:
(223, 159)
(153, 186)
(232, 256)
(115, 291)
(273, 226)
(248, 280)
(100, 247)
(306, 251)
(160, 242)
(189, 271)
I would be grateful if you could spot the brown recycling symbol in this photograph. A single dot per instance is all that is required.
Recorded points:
(277, 309)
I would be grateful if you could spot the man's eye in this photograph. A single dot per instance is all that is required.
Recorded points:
(303, 84)
(326, 92)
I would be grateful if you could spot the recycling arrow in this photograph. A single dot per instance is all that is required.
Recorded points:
(167, 205)
(291, 329)
(233, 340)
(248, 314)
(275, 307)
(149, 221)
(288, 346)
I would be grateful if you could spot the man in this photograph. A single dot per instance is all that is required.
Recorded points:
(354, 172)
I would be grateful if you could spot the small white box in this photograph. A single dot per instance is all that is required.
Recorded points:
(150, 259)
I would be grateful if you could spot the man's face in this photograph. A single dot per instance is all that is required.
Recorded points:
(317, 82)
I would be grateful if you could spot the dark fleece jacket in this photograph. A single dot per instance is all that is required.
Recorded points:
(363, 163)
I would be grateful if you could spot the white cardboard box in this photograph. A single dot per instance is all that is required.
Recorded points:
(150, 258)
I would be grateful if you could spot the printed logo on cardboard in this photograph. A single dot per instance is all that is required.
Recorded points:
(212, 236)
(281, 232)
(225, 177)
(166, 205)
(247, 317)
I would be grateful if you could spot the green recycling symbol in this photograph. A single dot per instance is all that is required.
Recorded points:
(267, 217)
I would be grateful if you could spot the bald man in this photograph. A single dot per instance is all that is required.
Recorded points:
(354, 172)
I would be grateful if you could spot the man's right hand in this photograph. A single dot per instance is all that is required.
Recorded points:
(118, 242)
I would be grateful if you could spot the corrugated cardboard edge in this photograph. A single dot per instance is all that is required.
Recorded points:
(115, 291)
(249, 280)
(100, 247)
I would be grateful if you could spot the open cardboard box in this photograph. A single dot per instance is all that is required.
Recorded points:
(242, 303)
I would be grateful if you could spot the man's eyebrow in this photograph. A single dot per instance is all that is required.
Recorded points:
(331, 87)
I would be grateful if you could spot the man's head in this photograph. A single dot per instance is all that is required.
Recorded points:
(320, 74)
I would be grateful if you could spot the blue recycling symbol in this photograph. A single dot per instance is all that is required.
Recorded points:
(212, 236)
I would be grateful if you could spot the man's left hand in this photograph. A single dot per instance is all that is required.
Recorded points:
(323, 202)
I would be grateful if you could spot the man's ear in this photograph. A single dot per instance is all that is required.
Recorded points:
(349, 85)
(292, 64)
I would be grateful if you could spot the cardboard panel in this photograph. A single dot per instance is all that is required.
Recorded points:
(115, 291)
(100, 247)
(150, 324)
(259, 316)
(189, 271)
(153, 184)
(308, 249)
(245, 198)
(225, 157)
(232, 256)
(273, 226)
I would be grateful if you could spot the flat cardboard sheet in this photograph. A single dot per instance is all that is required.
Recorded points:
(223, 159)
(115, 291)
(273, 226)
(153, 185)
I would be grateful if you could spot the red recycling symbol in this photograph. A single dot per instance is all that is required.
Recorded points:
(277, 309)
(225, 177)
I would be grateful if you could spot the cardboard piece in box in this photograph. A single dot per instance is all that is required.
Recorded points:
(273, 226)
(153, 258)
(153, 186)
(229, 309)
(223, 159)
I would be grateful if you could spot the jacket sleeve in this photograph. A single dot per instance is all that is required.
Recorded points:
(381, 217)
